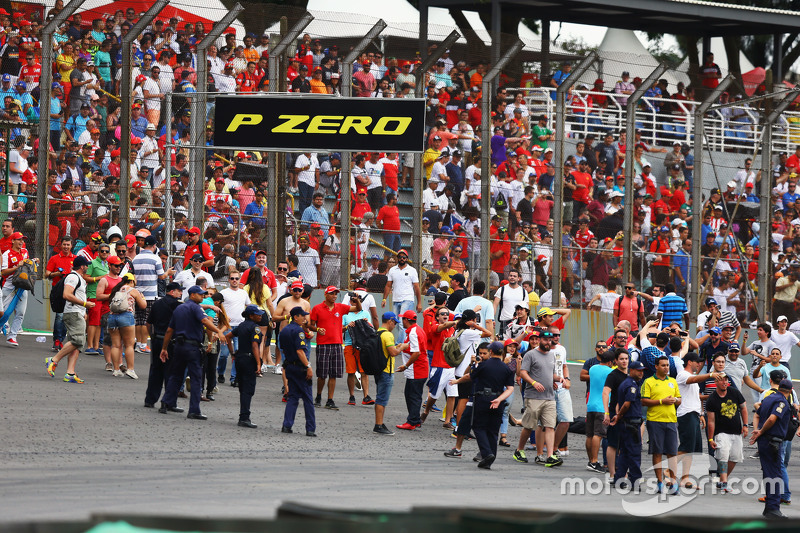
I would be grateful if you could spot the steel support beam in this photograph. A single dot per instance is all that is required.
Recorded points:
(344, 213)
(486, 156)
(630, 170)
(697, 193)
(423, 29)
(45, 83)
(126, 97)
(558, 160)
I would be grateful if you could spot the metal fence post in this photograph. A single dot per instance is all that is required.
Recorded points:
(198, 122)
(558, 158)
(630, 169)
(344, 204)
(169, 216)
(45, 83)
(125, 118)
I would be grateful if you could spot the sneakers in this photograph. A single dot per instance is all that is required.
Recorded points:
(540, 459)
(318, 401)
(264, 368)
(123, 368)
(50, 365)
(755, 456)
(220, 379)
(117, 373)
(520, 457)
(382, 430)
(72, 378)
(215, 390)
(109, 367)
(453, 452)
(553, 461)
(57, 345)
(138, 347)
(407, 426)
(436, 408)
(12, 341)
(562, 453)
(351, 401)
(277, 370)
(331, 405)
(90, 351)
(594, 467)
(188, 384)
(131, 374)
(367, 400)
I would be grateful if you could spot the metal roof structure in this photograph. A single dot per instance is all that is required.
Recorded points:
(682, 17)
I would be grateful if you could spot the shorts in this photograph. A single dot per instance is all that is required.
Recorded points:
(75, 324)
(689, 435)
(594, 425)
(613, 434)
(439, 381)
(541, 411)
(142, 314)
(729, 447)
(408, 160)
(120, 320)
(383, 383)
(663, 438)
(563, 406)
(352, 360)
(330, 361)
(464, 390)
(104, 325)
(95, 314)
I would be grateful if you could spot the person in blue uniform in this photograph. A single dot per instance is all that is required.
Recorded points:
(629, 418)
(158, 321)
(186, 330)
(247, 359)
(773, 416)
(295, 348)
(493, 383)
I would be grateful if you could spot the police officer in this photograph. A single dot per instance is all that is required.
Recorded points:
(158, 320)
(186, 328)
(297, 370)
(247, 359)
(494, 382)
(773, 415)
(629, 417)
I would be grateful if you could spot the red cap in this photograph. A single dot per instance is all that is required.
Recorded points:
(402, 251)
(130, 239)
(25, 23)
(115, 153)
(194, 230)
(314, 225)
(17, 235)
(136, 140)
(56, 188)
(114, 260)
(297, 285)
(665, 191)
(4, 12)
(220, 180)
(140, 78)
(410, 315)
(331, 288)
(243, 155)
(748, 185)
(218, 164)
(137, 184)
(509, 342)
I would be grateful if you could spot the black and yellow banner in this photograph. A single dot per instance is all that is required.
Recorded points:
(313, 123)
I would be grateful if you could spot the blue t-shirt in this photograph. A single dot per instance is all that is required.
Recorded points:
(352, 317)
(55, 108)
(597, 380)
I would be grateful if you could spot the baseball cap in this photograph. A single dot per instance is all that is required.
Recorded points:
(785, 384)
(388, 315)
(331, 288)
(509, 342)
(297, 285)
(194, 230)
(17, 235)
(545, 311)
(496, 347)
(80, 261)
(114, 260)
(297, 311)
(715, 330)
(171, 286)
(635, 365)
(782, 317)
(402, 251)
(252, 310)
(150, 240)
(197, 257)
(734, 347)
(409, 315)
(711, 301)
(523, 305)
(194, 289)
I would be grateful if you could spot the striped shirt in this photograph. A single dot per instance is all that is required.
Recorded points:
(673, 307)
(148, 268)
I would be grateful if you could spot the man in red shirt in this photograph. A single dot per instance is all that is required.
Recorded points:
(326, 320)
(660, 247)
(584, 234)
(12, 259)
(196, 245)
(389, 222)
(57, 267)
(247, 81)
(31, 71)
(500, 251)
(629, 307)
(266, 274)
(414, 368)
(361, 205)
(582, 194)
(793, 161)
(5, 241)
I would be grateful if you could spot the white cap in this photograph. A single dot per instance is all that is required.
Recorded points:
(548, 150)
(615, 194)
(440, 85)
(150, 126)
(524, 305)
(678, 222)
(782, 317)
(731, 183)
(444, 285)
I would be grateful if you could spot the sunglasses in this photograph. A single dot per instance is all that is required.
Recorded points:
(280, 269)
(714, 334)
(601, 347)
(297, 290)
(234, 279)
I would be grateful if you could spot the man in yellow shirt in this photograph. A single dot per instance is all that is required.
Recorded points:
(431, 155)
(385, 380)
(661, 396)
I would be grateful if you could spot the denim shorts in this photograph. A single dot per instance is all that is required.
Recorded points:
(384, 383)
(563, 406)
(120, 320)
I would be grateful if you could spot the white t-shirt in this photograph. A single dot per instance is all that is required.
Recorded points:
(307, 265)
(784, 342)
(403, 280)
(690, 394)
(234, 303)
(509, 298)
(761, 347)
(607, 301)
(561, 359)
(367, 301)
(22, 164)
(737, 370)
(151, 86)
(374, 171)
(74, 280)
(188, 278)
(468, 341)
(306, 176)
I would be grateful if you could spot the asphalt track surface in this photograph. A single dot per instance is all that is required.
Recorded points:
(70, 450)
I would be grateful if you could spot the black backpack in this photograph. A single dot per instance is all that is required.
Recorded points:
(367, 341)
(57, 301)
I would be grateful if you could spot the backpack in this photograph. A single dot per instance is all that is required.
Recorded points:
(367, 341)
(638, 304)
(119, 302)
(452, 350)
(57, 301)
(24, 276)
(500, 203)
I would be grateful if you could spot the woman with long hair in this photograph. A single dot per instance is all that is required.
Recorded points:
(469, 333)
(213, 347)
(512, 358)
(121, 326)
(261, 296)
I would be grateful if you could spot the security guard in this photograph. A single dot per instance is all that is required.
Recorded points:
(186, 327)
(629, 416)
(247, 359)
(293, 339)
(773, 415)
(494, 382)
(158, 320)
